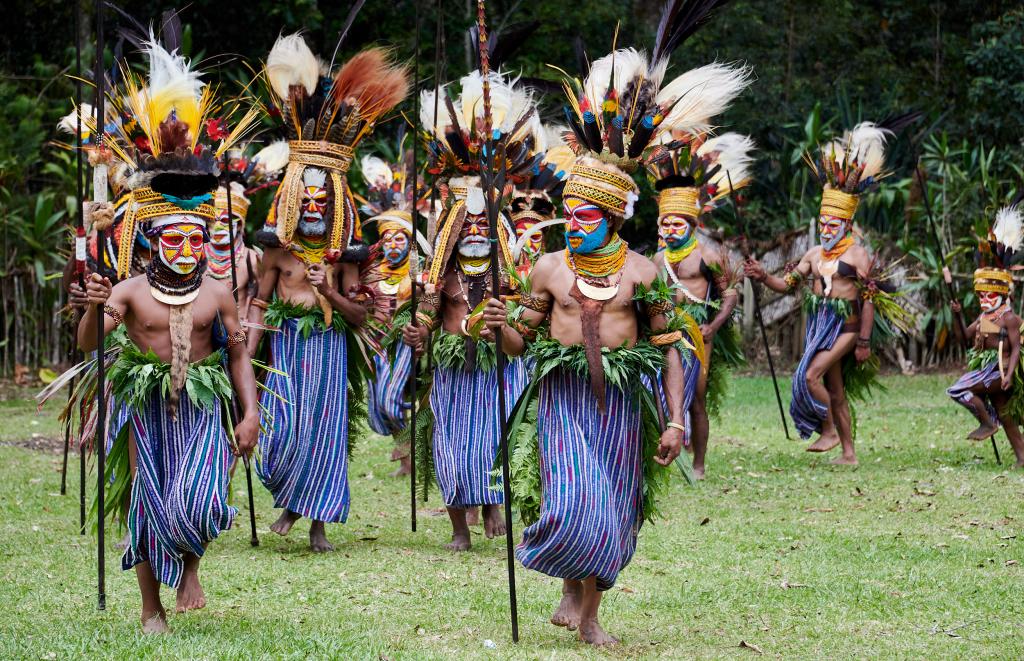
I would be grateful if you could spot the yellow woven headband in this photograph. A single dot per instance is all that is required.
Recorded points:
(680, 201)
(838, 204)
(993, 280)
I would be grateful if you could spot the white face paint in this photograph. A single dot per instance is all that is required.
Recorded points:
(313, 203)
(990, 300)
(473, 240)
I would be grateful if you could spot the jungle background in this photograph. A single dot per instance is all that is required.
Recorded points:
(820, 67)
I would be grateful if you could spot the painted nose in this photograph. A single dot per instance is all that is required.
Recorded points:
(575, 226)
(186, 249)
(474, 230)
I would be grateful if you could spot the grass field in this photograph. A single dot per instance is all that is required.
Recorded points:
(914, 554)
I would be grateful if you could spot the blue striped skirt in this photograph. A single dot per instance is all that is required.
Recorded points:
(466, 430)
(591, 476)
(179, 498)
(824, 327)
(986, 376)
(387, 393)
(303, 454)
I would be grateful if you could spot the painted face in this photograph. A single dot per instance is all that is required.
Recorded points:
(182, 246)
(474, 237)
(220, 236)
(533, 244)
(675, 230)
(314, 203)
(831, 230)
(989, 300)
(395, 246)
(586, 226)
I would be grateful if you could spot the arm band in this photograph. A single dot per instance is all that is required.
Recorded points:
(792, 279)
(433, 300)
(238, 337)
(525, 330)
(260, 303)
(664, 306)
(666, 339)
(427, 319)
(113, 314)
(535, 303)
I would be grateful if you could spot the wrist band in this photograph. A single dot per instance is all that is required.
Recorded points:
(676, 425)
(863, 341)
(260, 303)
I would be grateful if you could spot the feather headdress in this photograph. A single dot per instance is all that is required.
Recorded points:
(1000, 252)
(850, 166)
(694, 175)
(324, 116)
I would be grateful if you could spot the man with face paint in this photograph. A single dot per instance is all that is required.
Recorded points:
(307, 274)
(466, 429)
(168, 372)
(993, 389)
(692, 180)
(389, 203)
(219, 248)
(843, 312)
(590, 424)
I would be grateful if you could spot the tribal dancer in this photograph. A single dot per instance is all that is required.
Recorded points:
(389, 205)
(466, 426)
(533, 208)
(602, 325)
(848, 308)
(175, 436)
(305, 275)
(993, 389)
(693, 176)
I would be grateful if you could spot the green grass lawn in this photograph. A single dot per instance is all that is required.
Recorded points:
(914, 554)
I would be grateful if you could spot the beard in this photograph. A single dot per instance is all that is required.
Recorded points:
(312, 225)
(396, 257)
(677, 240)
(474, 247)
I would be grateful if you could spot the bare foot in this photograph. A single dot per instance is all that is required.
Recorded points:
(592, 633)
(494, 521)
(404, 467)
(122, 544)
(190, 592)
(472, 516)
(825, 443)
(983, 432)
(318, 538)
(155, 622)
(845, 460)
(459, 542)
(698, 472)
(285, 522)
(568, 612)
(1019, 464)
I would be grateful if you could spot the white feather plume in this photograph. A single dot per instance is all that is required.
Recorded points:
(508, 103)
(1009, 227)
(427, 119)
(274, 157)
(170, 73)
(624, 64)
(69, 123)
(376, 173)
(290, 62)
(701, 94)
(865, 143)
(733, 152)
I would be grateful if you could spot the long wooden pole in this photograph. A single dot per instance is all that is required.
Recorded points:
(100, 195)
(489, 177)
(414, 266)
(755, 290)
(254, 540)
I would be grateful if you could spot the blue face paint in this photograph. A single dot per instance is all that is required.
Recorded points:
(395, 258)
(590, 241)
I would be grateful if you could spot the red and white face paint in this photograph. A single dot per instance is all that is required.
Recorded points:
(182, 247)
(990, 300)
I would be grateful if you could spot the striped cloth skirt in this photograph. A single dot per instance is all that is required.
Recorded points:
(179, 498)
(303, 452)
(824, 327)
(466, 430)
(986, 376)
(387, 393)
(591, 476)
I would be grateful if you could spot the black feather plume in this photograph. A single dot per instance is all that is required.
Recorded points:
(679, 20)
